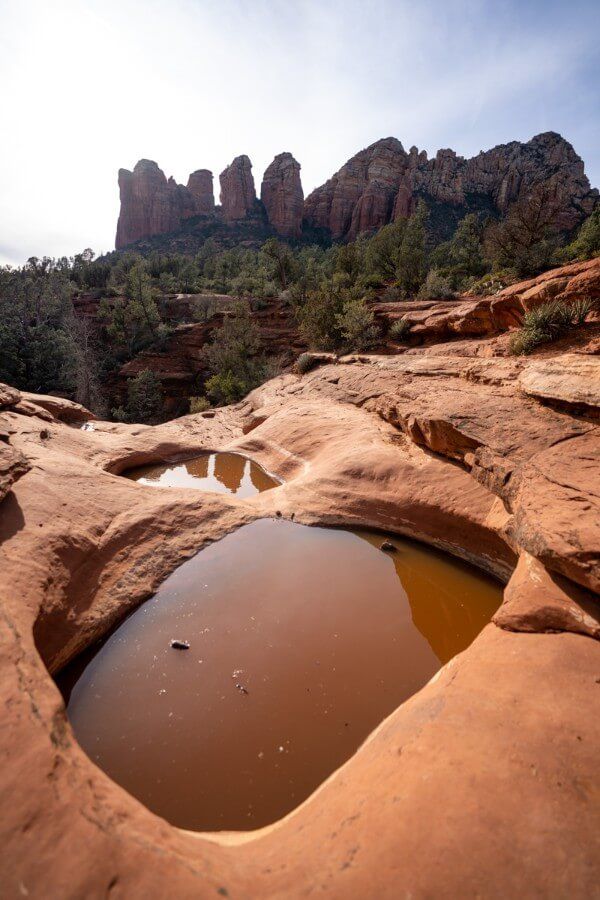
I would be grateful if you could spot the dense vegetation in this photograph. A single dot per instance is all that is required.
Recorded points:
(49, 344)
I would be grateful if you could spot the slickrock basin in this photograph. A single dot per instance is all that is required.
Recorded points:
(484, 782)
(301, 641)
(221, 473)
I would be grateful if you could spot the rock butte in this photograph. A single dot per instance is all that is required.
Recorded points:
(484, 783)
(378, 185)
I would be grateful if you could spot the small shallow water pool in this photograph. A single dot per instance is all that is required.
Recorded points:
(221, 473)
(301, 640)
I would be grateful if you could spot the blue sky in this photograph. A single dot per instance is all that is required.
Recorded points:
(93, 85)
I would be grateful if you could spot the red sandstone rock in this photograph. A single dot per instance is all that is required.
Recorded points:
(149, 203)
(79, 548)
(572, 282)
(535, 600)
(570, 379)
(361, 195)
(238, 194)
(483, 316)
(8, 396)
(60, 409)
(382, 183)
(281, 193)
(13, 465)
(503, 740)
(200, 186)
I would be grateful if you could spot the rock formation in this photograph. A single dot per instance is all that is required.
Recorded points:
(377, 186)
(238, 194)
(200, 186)
(384, 182)
(151, 204)
(281, 193)
(451, 443)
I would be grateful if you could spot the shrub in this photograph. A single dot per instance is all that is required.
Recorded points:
(305, 363)
(580, 309)
(587, 243)
(436, 287)
(392, 294)
(356, 324)
(548, 322)
(225, 388)
(199, 404)
(491, 283)
(400, 329)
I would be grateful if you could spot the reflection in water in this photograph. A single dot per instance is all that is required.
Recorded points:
(222, 473)
(301, 641)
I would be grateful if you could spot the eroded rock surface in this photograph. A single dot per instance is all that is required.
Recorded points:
(238, 194)
(384, 182)
(281, 193)
(378, 185)
(497, 754)
(200, 186)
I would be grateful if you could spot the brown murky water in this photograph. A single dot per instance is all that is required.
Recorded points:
(301, 641)
(222, 473)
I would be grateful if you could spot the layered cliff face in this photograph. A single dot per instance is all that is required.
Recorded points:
(238, 194)
(383, 182)
(281, 192)
(377, 186)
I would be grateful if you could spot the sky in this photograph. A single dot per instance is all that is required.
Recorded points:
(88, 87)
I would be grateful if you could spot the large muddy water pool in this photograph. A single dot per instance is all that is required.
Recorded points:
(301, 640)
(221, 473)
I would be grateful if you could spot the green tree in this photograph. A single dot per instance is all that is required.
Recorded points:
(383, 250)
(527, 239)
(280, 261)
(144, 399)
(587, 243)
(462, 257)
(234, 358)
(133, 320)
(37, 352)
(411, 267)
(319, 317)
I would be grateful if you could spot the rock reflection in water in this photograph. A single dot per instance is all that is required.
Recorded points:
(222, 473)
(301, 641)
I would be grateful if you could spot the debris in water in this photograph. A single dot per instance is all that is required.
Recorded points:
(241, 688)
(388, 547)
(179, 645)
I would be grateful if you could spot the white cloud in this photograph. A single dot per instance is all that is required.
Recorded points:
(90, 86)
